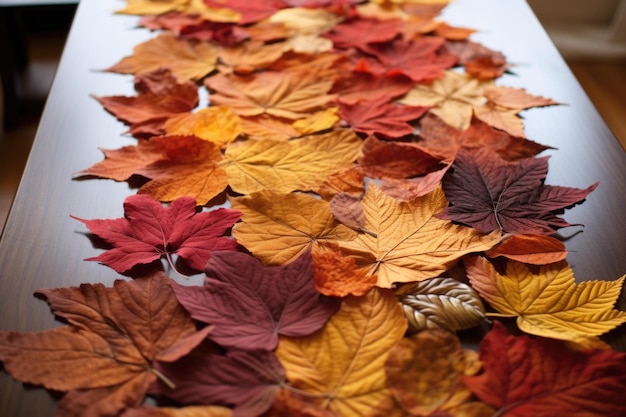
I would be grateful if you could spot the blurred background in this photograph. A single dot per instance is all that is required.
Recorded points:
(591, 35)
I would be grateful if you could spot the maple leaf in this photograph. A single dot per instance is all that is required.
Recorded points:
(337, 275)
(501, 118)
(250, 304)
(150, 231)
(549, 303)
(480, 62)
(490, 194)
(248, 11)
(248, 380)
(515, 98)
(159, 97)
(383, 159)
(360, 32)
(425, 373)
(214, 124)
(247, 57)
(416, 58)
(365, 86)
(190, 411)
(342, 365)
(278, 228)
(381, 116)
(543, 377)
(530, 249)
(267, 127)
(189, 166)
(288, 94)
(441, 303)
(300, 164)
(106, 358)
(186, 59)
(152, 7)
(317, 122)
(349, 181)
(452, 98)
(406, 242)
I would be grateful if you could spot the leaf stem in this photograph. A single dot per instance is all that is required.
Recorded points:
(506, 316)
(170, 262)
(170, 384)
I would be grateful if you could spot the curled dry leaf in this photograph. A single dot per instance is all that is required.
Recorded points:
(441, 303)
(342, 365)
(277, 228)
(531, 249)
(549, 303)
(348, 210)
(424, 373)
(106, 358)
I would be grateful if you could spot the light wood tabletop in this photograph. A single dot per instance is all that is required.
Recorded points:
(42, 247)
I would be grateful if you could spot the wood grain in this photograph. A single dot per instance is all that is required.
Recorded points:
(43, 247)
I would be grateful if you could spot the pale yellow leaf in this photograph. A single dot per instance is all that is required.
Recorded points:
(317, 122)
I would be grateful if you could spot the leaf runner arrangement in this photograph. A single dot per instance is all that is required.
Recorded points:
(385, 211)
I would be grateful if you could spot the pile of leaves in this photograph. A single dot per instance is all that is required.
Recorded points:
(365, 206)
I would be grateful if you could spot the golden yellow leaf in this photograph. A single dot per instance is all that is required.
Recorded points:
(153, 7)
(214, 124)
(190, 411)
(343, 363)
(306, 21)
(549, 303)
(308, 44)
(247, 57)
(453, 98)
(288, 94)
(317, 122)
(267, 127)
(277, 228)
(300, 164)
(406, 243)
(424, 372)
(501, 118)
(186, 59)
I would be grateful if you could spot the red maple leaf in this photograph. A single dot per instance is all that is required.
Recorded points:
(360, 32)
(365, 86)
(250, 10)
(150, 231)
(381, 116)
(525, 376)
(489, 194)
(246, 379)
(250, 304)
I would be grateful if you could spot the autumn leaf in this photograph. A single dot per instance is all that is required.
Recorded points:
(250, 304)
(247, 57)
(410, 188)
(479, 61)
(342, 365)
(530, 249)
(337, 275)
(360, 32)
(501, 118)
(425, 373)
(548, 303)
(247, 380)
(452, 98)
(489, 194)
(159, 97)
(543, 377)
(383, 159)
(381, 116)
(267, 127)
(515, 98)
(189, 167)
(186, 59)
(150, 231)
(317, 122)
(288, 94)
(306, 20)
(288, 403)
(363, 86)
(214, 124)
(441, 303)
(190, 411)
(248, 11)
(106, 357)
(350, 181)
(406, 242)
(300, 164)
(278, 228)
(190, 7)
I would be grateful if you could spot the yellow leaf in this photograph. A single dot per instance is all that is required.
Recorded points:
(452, 97)
(501, 118)
(405, 243)
(186, 59)
(300, 164)
(152, 7)
(214, 124)
(317, 122)
(266, 127)
(343, 363)
(277, 228)
(306, 21)
(549, 303)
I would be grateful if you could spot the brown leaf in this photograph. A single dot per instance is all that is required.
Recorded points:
(337, 275)
(348, 210)
(531, 249)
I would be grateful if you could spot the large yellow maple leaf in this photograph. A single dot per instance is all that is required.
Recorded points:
(288, 94)
(300, 164)
(549, 303)
(343, 364)
(186, 59)
(406, 243)
(452, 97)
(278, 228)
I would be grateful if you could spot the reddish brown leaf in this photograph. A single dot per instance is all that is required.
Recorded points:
(107, 355)
(490, 194)
(532, 249)
(338, 276)
(360, 32)
(251, 304)
(365, 86)
(250, 11)
(348, 210)
(150, 231)
(526, 376)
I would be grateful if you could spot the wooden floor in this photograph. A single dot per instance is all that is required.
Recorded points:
(604, 82)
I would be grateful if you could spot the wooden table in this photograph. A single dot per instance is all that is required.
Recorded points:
(42, 247)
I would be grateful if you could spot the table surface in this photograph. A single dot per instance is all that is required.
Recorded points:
(42, 247)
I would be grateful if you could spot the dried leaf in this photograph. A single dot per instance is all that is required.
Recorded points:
(214, 124)
(531, 249)
(337, 275)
